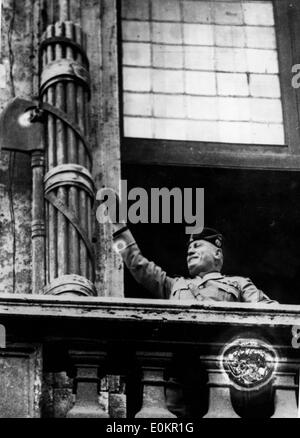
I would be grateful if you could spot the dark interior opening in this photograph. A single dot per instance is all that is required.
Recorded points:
(257, 211)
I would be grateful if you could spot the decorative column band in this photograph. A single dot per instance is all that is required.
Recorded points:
(70, 284)
(68, 184)
(61, 115)
(37, 160)
(64, 70)
(38, 228)
(67, 42)
(69, 175)
(71, 216)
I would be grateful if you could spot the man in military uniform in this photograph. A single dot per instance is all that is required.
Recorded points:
(206, 283)
(204, 261)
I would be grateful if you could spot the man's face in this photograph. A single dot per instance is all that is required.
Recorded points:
(201, 257)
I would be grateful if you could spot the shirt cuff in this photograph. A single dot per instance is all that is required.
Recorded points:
(123, 239)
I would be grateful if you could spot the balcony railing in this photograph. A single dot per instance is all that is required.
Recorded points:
(246, 358)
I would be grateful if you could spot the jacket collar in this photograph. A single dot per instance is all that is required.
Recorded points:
(211, 276)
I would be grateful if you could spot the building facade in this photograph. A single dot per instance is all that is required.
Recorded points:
(160, 93)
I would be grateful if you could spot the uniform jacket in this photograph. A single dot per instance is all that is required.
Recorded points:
(211, 287)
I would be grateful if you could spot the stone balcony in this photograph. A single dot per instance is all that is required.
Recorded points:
(249, 354)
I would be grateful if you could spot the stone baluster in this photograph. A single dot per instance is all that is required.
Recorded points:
(89, 369)
(220, 405)
(285, 396)
(153, 366)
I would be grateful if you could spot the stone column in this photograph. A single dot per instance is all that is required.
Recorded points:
(68, 183)
(38, 231)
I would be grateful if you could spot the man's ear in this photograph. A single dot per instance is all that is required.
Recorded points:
(218, 254)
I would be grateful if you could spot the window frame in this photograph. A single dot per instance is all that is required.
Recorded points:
(233, 155)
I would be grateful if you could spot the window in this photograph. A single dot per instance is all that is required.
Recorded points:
(211, 76)
(208, 84)
(202, 70)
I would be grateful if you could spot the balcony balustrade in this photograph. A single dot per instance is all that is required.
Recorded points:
(248, 356)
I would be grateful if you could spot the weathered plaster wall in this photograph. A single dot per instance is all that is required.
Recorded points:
(17, 76)
(21, 28)
(99, 21)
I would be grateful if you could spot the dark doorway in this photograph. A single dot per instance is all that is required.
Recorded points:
(257, 211)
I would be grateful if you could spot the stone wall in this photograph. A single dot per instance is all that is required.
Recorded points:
(17, 78)
(22, 26)
(21, 30)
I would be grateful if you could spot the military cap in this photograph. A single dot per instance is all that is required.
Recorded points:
(210, 235)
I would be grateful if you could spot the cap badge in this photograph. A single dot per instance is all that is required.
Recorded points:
(218, 243)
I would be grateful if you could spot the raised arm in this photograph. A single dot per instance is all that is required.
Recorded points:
(145, 272)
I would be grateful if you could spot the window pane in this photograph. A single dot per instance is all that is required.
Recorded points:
(201, 70)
